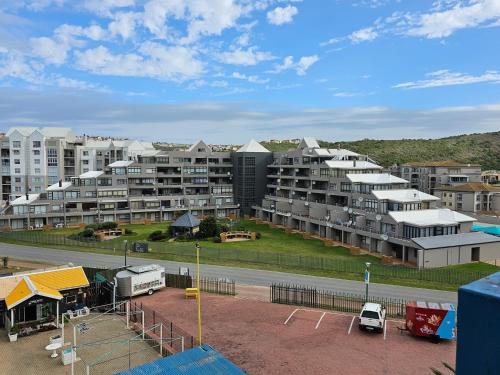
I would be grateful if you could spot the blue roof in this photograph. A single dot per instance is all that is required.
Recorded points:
(201, 360)
(186, 221)
(489, 286)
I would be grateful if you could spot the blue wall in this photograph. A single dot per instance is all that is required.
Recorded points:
(478, 338)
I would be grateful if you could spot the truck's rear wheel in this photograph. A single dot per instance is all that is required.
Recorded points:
(150, 291)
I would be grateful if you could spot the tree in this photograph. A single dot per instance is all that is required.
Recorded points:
(208, 227)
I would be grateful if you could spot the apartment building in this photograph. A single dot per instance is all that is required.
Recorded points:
(155, 187)
(473, 197)
(490, 177)
(35, 158)
(427, 176)
(344, 196)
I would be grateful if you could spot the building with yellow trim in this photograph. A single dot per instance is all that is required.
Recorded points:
(36, 299)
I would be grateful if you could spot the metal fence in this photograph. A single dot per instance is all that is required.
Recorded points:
(218, 286)
(180, 250)
(345, 302)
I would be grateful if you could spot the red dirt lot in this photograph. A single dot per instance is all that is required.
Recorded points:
(252, 334)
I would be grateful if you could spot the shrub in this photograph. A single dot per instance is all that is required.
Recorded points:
(208, 227)
(86, 233)
(108, 225)
(224, 228)
(258, 236)
(129, 232)
(94, 227)
(217, 239)
(157, 235)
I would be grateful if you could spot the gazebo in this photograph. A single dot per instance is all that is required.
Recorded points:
(186, 224)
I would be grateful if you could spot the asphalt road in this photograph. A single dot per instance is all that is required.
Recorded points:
(240, 275)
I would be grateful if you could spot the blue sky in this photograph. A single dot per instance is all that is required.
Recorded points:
(229, 70)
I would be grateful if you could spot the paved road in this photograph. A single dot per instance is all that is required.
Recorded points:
(240, 275)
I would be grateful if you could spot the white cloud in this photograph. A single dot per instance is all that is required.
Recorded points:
(124, 24)
(249, 78)
(105, 7)
(447, 78)
(364, 35)
(301, 66)
(37, 5)
(156, 13)
(281, 15)
(156, 61)
(249, 56)
(49, 50)
(441, 24)
(14, 65)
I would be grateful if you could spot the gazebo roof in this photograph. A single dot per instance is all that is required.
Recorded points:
(186, 221)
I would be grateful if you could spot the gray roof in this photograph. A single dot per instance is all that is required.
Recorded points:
(452, 240)
(186, 221)
(253, 146)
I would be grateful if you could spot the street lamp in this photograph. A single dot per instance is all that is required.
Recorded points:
(367, 279)
(125, 242)
(198, 299)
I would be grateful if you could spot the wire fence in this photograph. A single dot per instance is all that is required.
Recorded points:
(181, 250)
(345, 302)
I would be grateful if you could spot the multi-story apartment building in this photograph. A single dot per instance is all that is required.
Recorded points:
(35, 158)
(152, 188)
(490, 177)
(343, 196)
(427, 176)
(474, 197)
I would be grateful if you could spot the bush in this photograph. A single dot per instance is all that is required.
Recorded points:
(208, 228)
(157, 235)
(108, 225)
(258, 236)
(217, 239)
(94, 227)
(129, 232)
(223, 228)
(86, 234)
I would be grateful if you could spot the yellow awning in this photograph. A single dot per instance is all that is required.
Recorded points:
(20, 293)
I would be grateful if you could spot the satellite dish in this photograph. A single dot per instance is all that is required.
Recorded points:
(350, 210)
(360, 199)
(349, 222)
(385, 237)
(306, 203)
(378, 217)
(327, 217)
(346, 209)
(290, 201)
(277, 188)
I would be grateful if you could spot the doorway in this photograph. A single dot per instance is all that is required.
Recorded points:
(474, 256)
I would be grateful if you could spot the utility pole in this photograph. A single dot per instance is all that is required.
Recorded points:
(367, 279)
(198, 299)
(126, 249)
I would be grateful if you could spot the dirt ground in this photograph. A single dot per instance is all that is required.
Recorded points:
(253, 335)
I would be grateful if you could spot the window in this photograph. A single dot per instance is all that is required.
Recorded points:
(17, 179)
(35, 152)
(37, 171)
(70, 299)
(85, 153)
(17, 161)
(52, 157)
(37, 161)
(85, 162)
(37, 144)
(17, 170)
(17, 152)
(16, 144)
(134, 170)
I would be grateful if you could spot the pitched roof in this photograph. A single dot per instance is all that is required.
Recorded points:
(252, 146)
(186, 221)
(308, 142)
(352, 164)
(48, 283)
(56, 187)
(199, 145)
(23, 130)
(403, 195)
(471, 186)
(22, 199)
(52, 132)
(120, 163)
(430, 217)
(439, 163)
(451, 240)
(91, 174)
(375, 178)
(200, 360)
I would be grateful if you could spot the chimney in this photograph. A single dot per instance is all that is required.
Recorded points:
(27, 197)
(60, 183)
(354, 163)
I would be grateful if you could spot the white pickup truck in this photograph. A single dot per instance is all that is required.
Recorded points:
(372, 317)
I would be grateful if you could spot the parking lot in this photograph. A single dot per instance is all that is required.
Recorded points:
(254, 335)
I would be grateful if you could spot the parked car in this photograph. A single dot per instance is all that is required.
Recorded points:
(372, 317)
(59, 225)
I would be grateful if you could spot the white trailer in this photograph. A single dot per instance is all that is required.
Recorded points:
(140, 280)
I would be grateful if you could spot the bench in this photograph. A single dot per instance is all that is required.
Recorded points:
(191, 292)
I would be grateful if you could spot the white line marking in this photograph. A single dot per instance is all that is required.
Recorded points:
(290, 317)
(350, 327)
(385, 328)
(319, 321)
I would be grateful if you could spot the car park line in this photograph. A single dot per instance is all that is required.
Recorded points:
(319, 321)
(350, 326)
(290, 316)
(385, 328)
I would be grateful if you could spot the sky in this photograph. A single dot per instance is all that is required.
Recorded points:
(230, 70)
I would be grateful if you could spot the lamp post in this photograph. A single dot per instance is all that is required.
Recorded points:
(125, 242)
(367, 279)
(198, 299)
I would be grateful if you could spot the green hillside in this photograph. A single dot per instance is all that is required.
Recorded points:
(483, 149)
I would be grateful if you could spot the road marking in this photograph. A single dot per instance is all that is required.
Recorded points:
(350, 327)
(290, 317)
(385, 328)
(319, 321)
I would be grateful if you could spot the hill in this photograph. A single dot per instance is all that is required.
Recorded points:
(483, 149)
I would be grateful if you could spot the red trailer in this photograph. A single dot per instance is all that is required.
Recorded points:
(428, 319)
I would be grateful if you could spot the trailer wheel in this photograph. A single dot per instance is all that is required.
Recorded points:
(150, 291)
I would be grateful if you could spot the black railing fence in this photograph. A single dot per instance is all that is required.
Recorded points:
(345, 302)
